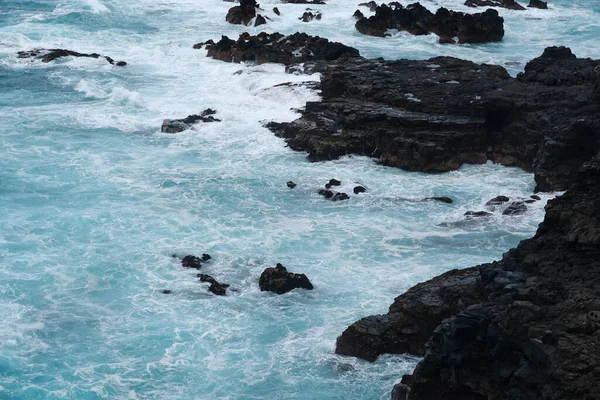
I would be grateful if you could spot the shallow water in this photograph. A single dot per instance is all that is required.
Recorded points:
(95, 201)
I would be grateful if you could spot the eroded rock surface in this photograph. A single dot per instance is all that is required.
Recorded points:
(438, 114)
(48, 55)
(280, 281)
(278, 48)
(418, 20)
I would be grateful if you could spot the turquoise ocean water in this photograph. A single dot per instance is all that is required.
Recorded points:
(94, 200)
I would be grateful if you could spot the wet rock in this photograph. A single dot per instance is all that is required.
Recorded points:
(291, 184)
(412, 317)
(340, 196)
(497, 201)
(202, 44)
(309, 16)
(477, 214)
(180, 125)
(371, 5)
(260, 20)
(219, 289)
(538, 4)
(328, 194)
(535, 197)
(279, 281)
(438, 114)
(446, 200)
(509, 4)
(530, 331)
(276, 11)
(191, 262)
(320, 2)
(359, 189)
(48, 55)
(418, 20)
(358, 14)
(333, 182)
(402, 389)
(206, 257)
(166, 291)
(242, 14)
(515, 208)
(277, 48)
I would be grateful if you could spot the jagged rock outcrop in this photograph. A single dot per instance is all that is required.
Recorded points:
(536, 332)
(279, 281)
(418, 20)
(438, 114)
(216, 288)
(509, 4)
(412, 317)
(180, 125)
(242, 14)
(47, 55)
(278, 48)
(538, 4)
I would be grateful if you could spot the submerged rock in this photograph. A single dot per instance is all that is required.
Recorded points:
(278, 48)
(498, 200)
(180, 125)
(446, 200)
(291, 184)
(47, 55)
(515, 208)
(509, 4)
(279, 281)
(191, 262)
(418, 20)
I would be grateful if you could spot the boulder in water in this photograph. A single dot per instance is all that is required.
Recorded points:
(279, 281)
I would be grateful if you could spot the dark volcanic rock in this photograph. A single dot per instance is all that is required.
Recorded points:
(538, 4)
(358, 14)
(510, 4)
(180, 125)
(303, 1)
(219, 289)
(260, 20)
(438, 114)
(359, 189)
(47, 55)
(536, 333)
(333, 182)
(515, 208)
(477, 214)
(242, 14)
(291, 184)
(498, 200)
(191, 262)
(446, 200)
(412, 317)
(277, 48)
(276, 11)
(340, 196)
(309, 16)
(280, 281)
(418, 20)
(371, 5)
